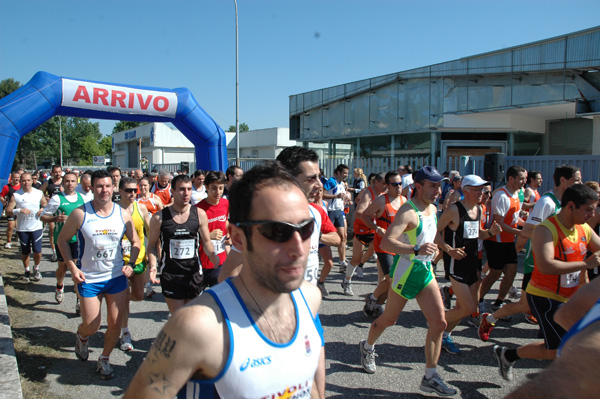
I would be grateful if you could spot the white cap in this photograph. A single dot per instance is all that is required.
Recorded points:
(473, 180)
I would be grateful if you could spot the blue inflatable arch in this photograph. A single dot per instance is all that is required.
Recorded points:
(46, 95)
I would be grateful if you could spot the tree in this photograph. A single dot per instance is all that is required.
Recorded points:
(126, 125)
(243, 128)
(105, 144)
(7, 86)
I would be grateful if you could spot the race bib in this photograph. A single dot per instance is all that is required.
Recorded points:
(104, 251)
(126, 246)
(471, 229)
(569, 280)
(182, 249)
(219, 245)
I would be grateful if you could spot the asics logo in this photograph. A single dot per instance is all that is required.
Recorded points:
(260, 361)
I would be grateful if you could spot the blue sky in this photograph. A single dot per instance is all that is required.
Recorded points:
(285, 47)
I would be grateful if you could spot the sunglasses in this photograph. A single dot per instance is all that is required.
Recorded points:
(395, 184)
(130, 190)
(281, 231)
(487, 192)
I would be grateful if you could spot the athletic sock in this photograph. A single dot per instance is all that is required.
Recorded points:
(125, 330)
(491, 319)
(373, 297)
(511, 355)
(430, 372)
(60, 287)
(27, 269)
(350, 271)
(81, 338)
(369, 347)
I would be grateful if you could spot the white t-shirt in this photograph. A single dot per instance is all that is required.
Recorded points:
(198, 195)
(543, 209)
(87, 197)
(336, 204)
(31, 201)
(407, 180)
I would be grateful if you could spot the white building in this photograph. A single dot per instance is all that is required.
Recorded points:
(260, 143)
(160, 143)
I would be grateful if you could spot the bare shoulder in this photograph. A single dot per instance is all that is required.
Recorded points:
(313, 296)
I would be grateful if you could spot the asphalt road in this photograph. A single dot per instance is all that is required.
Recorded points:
(400, 351)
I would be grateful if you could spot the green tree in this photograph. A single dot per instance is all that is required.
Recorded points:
(105, 144)
(7, 86)
(243, 128)
(126, 125)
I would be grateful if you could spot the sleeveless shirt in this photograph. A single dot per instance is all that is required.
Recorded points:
(510, 217)
(359, 226)
(65, 208)
(31, 201)
(217, 216)
(384, 221)
(424, 232)
(466, 235)
(150, 203)
(138, 224)
(180, 244)
(52, 188)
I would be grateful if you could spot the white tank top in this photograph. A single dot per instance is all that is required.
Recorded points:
(31, 201)
(312, 266)
(258, 367)
(425, 232)
(99, 238)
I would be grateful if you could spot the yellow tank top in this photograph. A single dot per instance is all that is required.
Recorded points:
(138, 224)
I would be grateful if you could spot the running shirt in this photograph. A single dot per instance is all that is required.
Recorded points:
(179, 243)
(150, 203)
(62, 204)
(8, 191)
(425, 232)
(466, 235)
(336, 204)
(384, 221)
(217, 219)
(323, 225)
(198, 195)
(100, 253)
(138, 224)
(359, 227)
(591, 317)
(53, 188)
(87, 197)
(163, 193)
(569, 246)
(508, 206)
(31, 201)
(547, 205)
(258, 367)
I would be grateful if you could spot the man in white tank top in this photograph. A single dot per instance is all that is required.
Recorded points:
(100, 271)
(248, 333)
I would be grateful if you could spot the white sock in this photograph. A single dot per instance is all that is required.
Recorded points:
(125, 330)
(373, 297)
(490, 318)
(350, 271)
(369, 347)
(430, 372)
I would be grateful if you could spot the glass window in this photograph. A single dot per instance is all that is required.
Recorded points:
(528, 144)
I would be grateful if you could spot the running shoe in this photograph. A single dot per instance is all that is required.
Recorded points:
(343, 266)
(359, 272)
(347, 287)
(81, 348)
(27, 277)
(436, 385)
(125, 342)
(446, 296)
(369, 308)
(148, 291)
(514, 293)
(449, 346)
(367, 358)
(322, 288)
(59, 295)
(105, 369)
(485, 328)
(36, 276)
(504, 366)
(378, 310)
(53, 258)
(530, 318)
(473, 321)
(8, 245)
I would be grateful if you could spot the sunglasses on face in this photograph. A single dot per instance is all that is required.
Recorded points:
(281, 231)
(486, 192)
(395, 184)
(130, 190)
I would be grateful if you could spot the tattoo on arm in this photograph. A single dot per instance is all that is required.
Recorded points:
(159, 383)
(164, 344)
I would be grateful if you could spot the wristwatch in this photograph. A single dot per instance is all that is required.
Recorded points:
(131, 264)
(416, 249)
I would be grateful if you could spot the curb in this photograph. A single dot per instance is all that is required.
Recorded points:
(10, 382)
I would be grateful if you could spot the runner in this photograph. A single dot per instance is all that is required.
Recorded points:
(115, 174)
(461, 224)
(57, 211)
(8, 190)
(179, 227)
(85, 186)
(411, 236)
(100, 272)
(198, 188)
(233, 173)
(51, 187)
(241, 337)
(162, 188)
(560, 244)
(151, 201)
(335, 192)
(531, 194)
(141, 219)
(26, 205)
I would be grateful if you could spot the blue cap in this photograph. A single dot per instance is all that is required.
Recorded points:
(429, 173)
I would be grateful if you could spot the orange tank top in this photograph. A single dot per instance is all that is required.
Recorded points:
(510, 218)
(359, 226)
(384, 221)
(150, 203)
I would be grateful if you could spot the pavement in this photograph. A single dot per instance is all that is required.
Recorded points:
(50, 330)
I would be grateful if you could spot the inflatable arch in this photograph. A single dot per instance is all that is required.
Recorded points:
(46, 95)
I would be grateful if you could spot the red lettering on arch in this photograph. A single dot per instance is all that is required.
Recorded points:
(131, 99)
(100, 94)
(144, 105)
(118, 96)
(81, 94)
(165, 102)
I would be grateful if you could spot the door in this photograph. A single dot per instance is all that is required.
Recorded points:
(451, 151)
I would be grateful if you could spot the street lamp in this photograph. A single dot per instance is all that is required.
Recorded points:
(237, 92)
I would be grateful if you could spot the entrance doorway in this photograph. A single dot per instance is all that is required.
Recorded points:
(451, 151)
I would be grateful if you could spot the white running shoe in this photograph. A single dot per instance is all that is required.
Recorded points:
(436, 385)
(104, 368)
(36, 276)
(125, 342)
(59, 295)
(347, 286)
(81, 348)
(359, 272)
(8, 245)
(367, 358)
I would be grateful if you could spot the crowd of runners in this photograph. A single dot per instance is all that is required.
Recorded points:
(223, 248)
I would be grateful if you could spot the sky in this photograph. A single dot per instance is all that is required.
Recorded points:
(286, 47)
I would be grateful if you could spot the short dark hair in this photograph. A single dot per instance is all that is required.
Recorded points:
(199, 172)
(565, 170)
(179, 178)
(380, 176)
(231, 170)
(292, 157)
(408, 169)
(111, 169)
(100, 174)
(532, 175)
(341, 168)
(68, 173)
(514, 171)
(390, 174)
(56, 166)
(579, 194)
(126, 180)
(215, 176)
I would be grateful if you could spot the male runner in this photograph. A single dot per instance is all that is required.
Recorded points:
(531, 194)
(162, 188)
(548, 205)
(335, 209)
(141, 219)
(51, 187)
(461, 224)
(26, 204)
(217, 212)
(8, 190)
(379, 216)
(179, 227)
(85, 187)
(198, 188)
(241, 337)
(115, 174)
(500, 249)
(100, 272)
(57, 211)
(560, 244)
(233, 174)
(411, 236)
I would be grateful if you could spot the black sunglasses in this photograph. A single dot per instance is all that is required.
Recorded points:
(130, 190)
(281, 231)
(395, 184)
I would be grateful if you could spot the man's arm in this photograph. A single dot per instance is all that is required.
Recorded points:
(152, 250)
(207, 245)
(405, 219)
(67, 232)
(373, 211)
(313, 299)
(49, 211)
(11, 206)
(134, 240)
